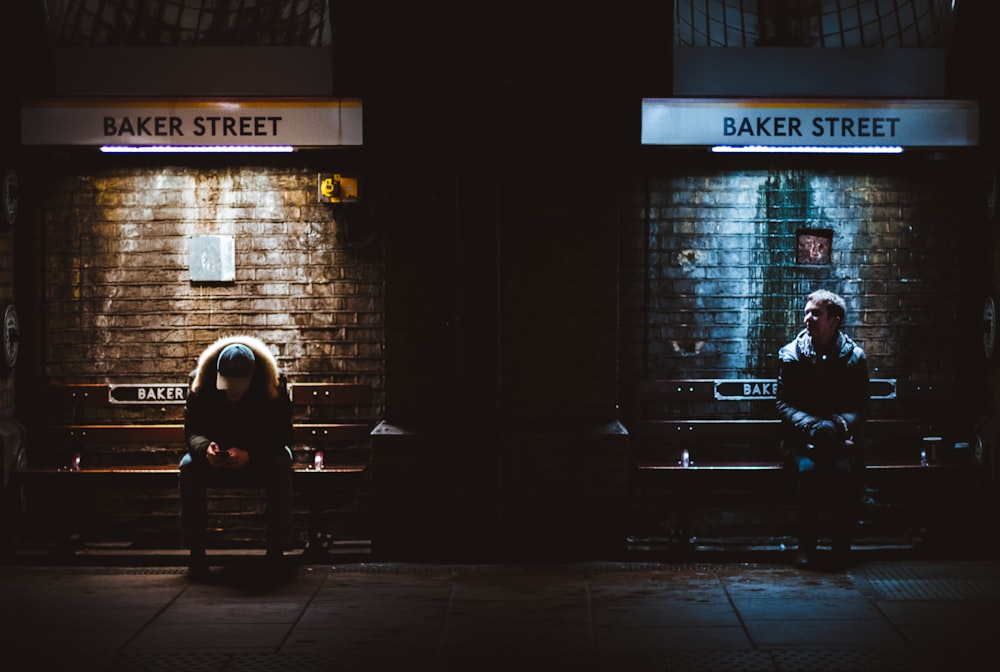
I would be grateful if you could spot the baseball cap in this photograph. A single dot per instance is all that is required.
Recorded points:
(235, 367)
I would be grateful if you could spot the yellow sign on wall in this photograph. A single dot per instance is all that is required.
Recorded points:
(335, 188)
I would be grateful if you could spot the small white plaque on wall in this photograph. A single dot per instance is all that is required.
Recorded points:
(213, 259)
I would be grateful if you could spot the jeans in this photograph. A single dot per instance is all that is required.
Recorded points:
(833, 480)
(271, 469)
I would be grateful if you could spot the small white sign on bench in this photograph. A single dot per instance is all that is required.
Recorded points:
(150, 393)
(767, 388)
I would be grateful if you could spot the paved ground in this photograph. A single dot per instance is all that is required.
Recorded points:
(878, 615)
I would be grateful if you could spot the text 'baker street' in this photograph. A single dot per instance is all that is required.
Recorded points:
(817, 127)
(170, 126)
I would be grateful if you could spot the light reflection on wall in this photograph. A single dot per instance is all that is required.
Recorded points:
(724, 286)
(117, 297)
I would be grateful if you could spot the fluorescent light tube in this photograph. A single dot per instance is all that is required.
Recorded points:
(769, 149)
(196, 149)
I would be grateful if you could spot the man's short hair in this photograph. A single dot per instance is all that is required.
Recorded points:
(835, 305)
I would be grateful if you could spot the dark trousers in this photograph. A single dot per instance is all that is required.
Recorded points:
(271, 470)
(834, 481)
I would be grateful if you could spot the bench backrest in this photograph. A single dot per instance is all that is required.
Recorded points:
(144, 423)
(710, 419)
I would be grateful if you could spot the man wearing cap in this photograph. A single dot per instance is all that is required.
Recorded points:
(237, 424)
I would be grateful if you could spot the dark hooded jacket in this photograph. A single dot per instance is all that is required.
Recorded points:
(260, 420)
(813, 387)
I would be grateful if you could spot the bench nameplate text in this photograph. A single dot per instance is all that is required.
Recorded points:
(766, 388)
(152, 393)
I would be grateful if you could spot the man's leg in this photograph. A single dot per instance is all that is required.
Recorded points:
(192, 485)
(277, 477)
(845, 493)
(810, 490)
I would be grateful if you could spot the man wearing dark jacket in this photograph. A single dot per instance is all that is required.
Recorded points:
(237, 424)
(822, 400)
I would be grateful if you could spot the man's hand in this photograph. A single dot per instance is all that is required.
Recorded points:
(843, 431)
(823, 434)
(823, 428)
(233, 458)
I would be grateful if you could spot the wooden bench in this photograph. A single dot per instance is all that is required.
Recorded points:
(97, 437)
(723, 472)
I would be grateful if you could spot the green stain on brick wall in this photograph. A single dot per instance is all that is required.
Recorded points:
(783, 208)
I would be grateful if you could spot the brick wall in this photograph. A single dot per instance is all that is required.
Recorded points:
(117, 302)
(713, 287)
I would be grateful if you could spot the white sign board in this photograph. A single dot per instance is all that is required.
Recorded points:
(813, 123)
(767, 388)
(308, 122)
(152, 393)
(212, 259)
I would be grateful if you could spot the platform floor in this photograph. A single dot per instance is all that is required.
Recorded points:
(877, 615)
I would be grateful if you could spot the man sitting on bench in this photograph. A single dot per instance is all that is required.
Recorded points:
(822, 399)
(237, 425)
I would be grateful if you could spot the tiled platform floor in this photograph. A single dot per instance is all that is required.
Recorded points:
(877, 615)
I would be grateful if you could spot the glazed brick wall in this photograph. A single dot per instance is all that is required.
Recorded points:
(117, 302)
(712, 287)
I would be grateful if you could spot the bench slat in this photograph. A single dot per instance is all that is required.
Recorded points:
(771, 466)
(76, 395)
(301, 394)
(766, 429)
(682, 430)
(925, 389)
(172, 469)
(305, 433)
(164, 476)
(93, 434)
(329, 394)
(319, 434)
(693, 390)
(887, 428)
(704, 389)
(737, 467)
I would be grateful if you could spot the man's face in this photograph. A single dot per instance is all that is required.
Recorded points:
(234, 394)
(821, 326)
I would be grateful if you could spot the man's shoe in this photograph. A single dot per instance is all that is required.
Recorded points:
(805, 556)
(841, 556)
(198, 567)
(279, 569)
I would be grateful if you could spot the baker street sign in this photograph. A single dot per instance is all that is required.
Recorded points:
(809, 122)
(150, 393)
